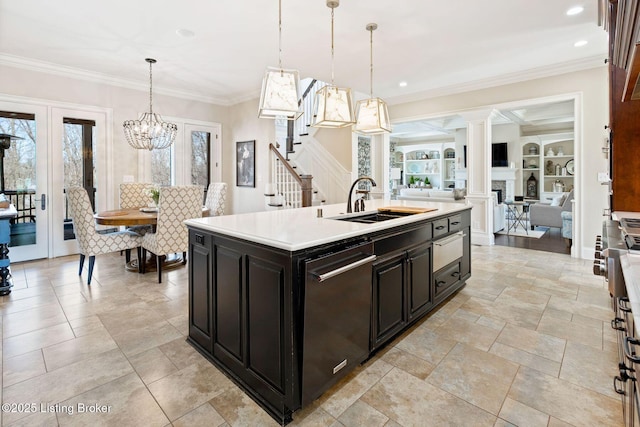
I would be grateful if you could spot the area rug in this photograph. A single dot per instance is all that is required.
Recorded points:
(534, 234)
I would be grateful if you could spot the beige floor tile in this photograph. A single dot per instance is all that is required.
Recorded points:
(520, 316)
(600, 364)
(522, 415)
(203, 416)
(361, 414)
(124, 401)
(553, 396)
(22, 367)
(313, 416)
(582, 308)
(185, 390)
(181, 353)
(533, 342)
(76, 349)
(427, 345)
(151, 365)
(239, 410)
(30, 320)
(475, 376)
(140, 339)
(64, 383)
(525, 358)
(344, 394)
(37, 339)
(86, 326)
(469, 332)
(408, 362)
(573, 331)
(412, 402)
(37, 419)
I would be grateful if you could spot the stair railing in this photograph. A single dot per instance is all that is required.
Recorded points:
(290, 189)
(307, 101)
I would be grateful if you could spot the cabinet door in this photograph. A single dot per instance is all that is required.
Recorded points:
(200, 288)
(419, 280)
(465, 262)
(389, 278)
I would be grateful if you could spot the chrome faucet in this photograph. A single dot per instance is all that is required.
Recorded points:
(351, 191)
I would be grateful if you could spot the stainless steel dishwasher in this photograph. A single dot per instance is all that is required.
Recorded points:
(337, 311)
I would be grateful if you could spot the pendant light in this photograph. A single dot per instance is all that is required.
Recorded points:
(280, 88)
(372, 116)
(149, 132)
(333, 105)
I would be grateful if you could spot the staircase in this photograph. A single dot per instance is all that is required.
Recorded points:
(301, 158)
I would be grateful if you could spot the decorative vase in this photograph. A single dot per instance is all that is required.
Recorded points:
(532, 187)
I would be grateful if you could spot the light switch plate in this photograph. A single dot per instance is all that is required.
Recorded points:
(603, 177)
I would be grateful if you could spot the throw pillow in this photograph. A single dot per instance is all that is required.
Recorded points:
(459, 193)
(556, 201)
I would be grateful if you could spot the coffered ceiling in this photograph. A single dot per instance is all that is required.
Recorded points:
(218, 50)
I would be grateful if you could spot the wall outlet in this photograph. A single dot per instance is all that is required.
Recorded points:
(603, 177)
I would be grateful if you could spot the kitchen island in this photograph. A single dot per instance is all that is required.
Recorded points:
(288, 302)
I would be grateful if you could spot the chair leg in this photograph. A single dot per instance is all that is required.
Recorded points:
(184, 258)
(127, 256)
(142, 262)
(159, 260)
(92, 261)
(81, 264)
(139, 250)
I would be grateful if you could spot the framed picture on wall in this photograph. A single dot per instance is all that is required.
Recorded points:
(246, 163)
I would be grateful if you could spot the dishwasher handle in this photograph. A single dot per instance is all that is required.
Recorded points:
(343, 269)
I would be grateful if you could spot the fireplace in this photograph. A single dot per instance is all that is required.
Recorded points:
(504, 179)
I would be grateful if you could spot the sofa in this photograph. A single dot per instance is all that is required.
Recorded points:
(432, 195)
(550, 214)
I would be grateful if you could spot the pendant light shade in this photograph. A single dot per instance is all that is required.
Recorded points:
(150, 132)
(372, 116)
(333, 106)
(279, 96)
(280, 88)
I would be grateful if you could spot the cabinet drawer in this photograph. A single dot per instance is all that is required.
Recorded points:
(455, 223)
(440, 227)
(446, 277)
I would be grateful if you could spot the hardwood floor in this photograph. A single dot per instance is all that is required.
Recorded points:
(552, 241)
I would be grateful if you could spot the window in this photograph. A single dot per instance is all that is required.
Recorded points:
(200, 159)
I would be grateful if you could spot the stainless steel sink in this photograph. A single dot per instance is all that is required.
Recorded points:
(373, 217)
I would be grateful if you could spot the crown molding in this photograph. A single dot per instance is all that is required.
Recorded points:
(505, 79)
(95, 77)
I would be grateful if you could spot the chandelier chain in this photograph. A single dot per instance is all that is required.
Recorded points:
(150, 88)
(371, 58)
(280, 34)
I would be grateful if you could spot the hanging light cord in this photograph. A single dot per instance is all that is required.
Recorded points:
(280, 35)
(332, 9)
(371, 58)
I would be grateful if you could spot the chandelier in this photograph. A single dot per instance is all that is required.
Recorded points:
(372, 116)
(333, 105)
(280, 94)
(149, 132)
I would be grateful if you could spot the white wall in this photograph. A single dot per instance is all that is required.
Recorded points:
(591, 84)
(125, 104)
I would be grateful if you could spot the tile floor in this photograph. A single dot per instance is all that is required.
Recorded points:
(526, 342)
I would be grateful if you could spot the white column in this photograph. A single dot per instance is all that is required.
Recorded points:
(479, 175)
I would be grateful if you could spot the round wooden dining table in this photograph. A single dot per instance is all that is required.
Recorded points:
(127, 217)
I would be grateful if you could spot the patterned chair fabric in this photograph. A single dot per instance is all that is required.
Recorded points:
(177, 204)
(216, 198)
(90, 241)
(135, 194)
(567, 223)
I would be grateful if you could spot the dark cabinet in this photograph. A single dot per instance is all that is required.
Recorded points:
(389, 308)
(444, 279)
(200, 298)
(419, 281)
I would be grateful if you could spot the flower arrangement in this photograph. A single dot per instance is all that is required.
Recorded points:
(154, 193)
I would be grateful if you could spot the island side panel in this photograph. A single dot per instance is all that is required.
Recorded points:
(252, 306)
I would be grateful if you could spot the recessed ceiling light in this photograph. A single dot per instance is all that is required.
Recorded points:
(575, 10)
(183, 32)
(580, 43)
(402, 84)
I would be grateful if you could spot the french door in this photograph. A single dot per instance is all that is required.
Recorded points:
(24, 178)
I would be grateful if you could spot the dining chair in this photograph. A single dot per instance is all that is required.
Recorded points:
(135, 194)
(177, 204)
(216, 198)
(90, 241)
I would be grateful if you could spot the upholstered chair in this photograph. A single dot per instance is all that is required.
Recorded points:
(90, 241)
(216, 198)
(135, 194)
(177, 204)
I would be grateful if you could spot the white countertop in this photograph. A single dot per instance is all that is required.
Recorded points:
(296, 229)
(630, 264)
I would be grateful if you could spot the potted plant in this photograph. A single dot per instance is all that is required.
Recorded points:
(154, 193)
